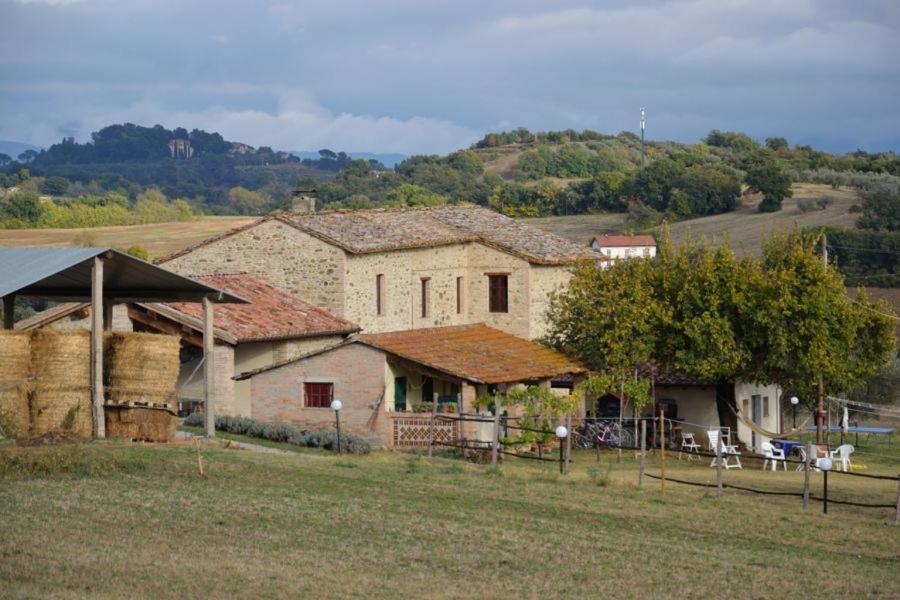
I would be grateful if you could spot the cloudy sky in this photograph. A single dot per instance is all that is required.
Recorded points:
(417, 76)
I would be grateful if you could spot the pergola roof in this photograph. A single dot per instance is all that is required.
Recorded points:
(64, 274)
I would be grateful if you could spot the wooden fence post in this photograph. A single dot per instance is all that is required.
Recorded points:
(897, 515)
(568, 441)
(719, 466)
(643, 452)
(806, 475)
(662, 451)
(431, 431)
(495, 447)
(621, 408)
(537, 425)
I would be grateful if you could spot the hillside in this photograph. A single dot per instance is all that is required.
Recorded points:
(744, 227)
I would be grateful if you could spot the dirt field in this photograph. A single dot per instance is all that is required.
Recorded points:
(745, 227)
(159, 238)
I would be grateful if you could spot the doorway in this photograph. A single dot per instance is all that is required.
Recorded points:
(399, 394)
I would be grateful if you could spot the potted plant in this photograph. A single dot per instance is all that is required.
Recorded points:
(450, 407)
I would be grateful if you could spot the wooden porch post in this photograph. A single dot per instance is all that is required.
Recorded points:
(97, 395)
(208, 371)
(107, 315)
(9, 311)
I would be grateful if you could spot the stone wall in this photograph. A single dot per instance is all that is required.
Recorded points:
(277, 393)
(403, 271)
(483, 260)
(544, 281)
(282, 256)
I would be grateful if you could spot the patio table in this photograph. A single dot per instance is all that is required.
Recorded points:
(787, 445)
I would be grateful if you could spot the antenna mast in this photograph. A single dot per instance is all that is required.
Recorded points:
(643, 123)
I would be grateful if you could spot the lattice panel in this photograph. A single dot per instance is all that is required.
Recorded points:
(410, 432)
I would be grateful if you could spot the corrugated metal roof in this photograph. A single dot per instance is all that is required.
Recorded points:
(64, 274)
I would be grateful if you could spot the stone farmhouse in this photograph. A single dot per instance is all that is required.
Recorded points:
(398, 269)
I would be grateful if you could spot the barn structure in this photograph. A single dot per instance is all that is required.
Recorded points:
(104, 277)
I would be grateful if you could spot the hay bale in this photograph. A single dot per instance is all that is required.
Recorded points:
(146, 424)
(61, 382)
(142, 367)
(15, 369)
(61, 408)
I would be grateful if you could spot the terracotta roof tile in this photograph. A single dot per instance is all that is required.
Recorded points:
(616, 241)
(271, 314)
(475, 352)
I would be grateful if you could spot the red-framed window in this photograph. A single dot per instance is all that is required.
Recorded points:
(318, 395)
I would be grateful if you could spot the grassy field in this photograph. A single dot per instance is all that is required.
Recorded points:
(141, 521)
(745, 227)
(159, 238)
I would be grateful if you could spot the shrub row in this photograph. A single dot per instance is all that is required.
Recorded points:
(283, 432)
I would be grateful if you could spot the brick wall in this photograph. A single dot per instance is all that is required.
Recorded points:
(277, 393)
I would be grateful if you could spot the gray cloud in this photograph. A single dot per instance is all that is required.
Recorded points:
(413, 76)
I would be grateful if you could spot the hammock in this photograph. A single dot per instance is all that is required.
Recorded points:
(795, 432)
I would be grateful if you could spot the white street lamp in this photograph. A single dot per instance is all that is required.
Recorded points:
(336, 406)
(825, 464)
(561, 433)
(794, 402)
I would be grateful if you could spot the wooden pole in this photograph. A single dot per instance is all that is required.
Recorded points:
(107, 315)
(538, 425)
(820, 401)
(568, 441)
(97, 395)
(897, 514)
(495, 447)
(9, 311)
(209, 410)
(621, 408)
(662, 451)
(643, 452)
(431, 431)
(459, 413)
(719, 467)
(809, 457)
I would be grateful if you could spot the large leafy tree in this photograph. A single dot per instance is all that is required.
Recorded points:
(781, 319)
(766, 175)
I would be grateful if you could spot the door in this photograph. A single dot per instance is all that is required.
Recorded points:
(756, 417)
(399, 393)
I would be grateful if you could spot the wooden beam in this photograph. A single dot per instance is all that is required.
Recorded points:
(9, 311)
(150, 320)
(208, 372)
(97, 395)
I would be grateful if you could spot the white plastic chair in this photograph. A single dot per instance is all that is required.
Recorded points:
(842, 453)
(689, 445)
(773, 454)
(727, 450)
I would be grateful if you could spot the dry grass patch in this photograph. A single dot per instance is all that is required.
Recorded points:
(388, 525)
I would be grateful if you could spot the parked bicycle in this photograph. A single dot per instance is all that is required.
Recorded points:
(602, 433)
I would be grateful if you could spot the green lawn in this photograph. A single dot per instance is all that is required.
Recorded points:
(140, 522)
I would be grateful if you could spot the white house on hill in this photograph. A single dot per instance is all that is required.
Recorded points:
(617, 247)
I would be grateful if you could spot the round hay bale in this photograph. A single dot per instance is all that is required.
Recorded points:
(60, 357)
(142, 368)
(15, 366)
(61, 408)
(61, 388)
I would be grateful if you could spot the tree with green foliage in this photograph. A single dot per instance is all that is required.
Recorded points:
(766, 176)
(781, 319)
(23, 206)
(407, 194)
(54, 186)
(5, 159)
(248, 202)
(776, 143)
(880, 211)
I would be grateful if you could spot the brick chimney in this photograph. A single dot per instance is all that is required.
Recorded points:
(303, 202)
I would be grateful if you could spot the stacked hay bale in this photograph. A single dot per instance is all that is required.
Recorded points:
(143, 373)
(15, 367)
(143, 369)
(61, 389)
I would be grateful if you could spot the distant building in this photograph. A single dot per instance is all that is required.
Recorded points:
(180, 148)
(239, 148)
(617, 247)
